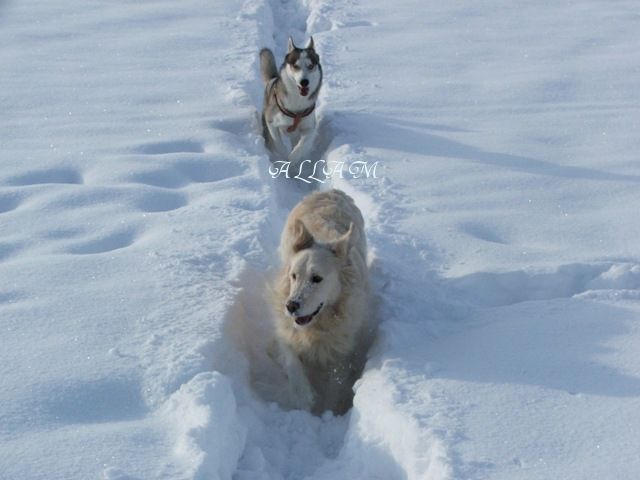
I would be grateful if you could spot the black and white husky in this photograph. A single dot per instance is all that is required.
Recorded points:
(290, 100)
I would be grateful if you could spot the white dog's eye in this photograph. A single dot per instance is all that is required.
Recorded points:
(311, 67)
(316, 278)
(293, 275)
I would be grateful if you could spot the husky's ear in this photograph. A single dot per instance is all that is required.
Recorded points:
(343, 244)
(302, 237)
(310, 44)
(291, 46)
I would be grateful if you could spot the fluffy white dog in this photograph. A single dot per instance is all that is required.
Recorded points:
(321, 298)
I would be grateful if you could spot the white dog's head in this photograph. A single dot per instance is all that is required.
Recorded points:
(314, 274)
(302, 66)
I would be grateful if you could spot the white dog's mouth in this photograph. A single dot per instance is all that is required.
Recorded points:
(304, 91)
(307, 318)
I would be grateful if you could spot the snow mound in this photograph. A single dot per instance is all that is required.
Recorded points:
(210, 435)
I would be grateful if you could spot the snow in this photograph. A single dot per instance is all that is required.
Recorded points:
(139, 224)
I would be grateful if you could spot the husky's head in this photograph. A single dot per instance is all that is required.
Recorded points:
(313, 274)
(302, 66)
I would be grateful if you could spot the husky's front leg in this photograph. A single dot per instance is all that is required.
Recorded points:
(276, 144)
(303, 148)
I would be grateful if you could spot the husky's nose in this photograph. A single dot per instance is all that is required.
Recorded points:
(304, 82)
(292, 306)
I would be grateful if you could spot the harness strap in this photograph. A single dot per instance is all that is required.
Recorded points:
(297, 116)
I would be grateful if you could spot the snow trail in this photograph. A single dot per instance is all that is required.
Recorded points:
(295, 444)
(280, 444)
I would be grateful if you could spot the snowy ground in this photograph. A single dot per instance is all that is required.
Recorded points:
(138, 223)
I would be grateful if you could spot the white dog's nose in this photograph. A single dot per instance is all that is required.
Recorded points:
(292, 306)
(304, 82)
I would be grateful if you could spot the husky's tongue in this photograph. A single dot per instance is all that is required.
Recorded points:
(304, 91)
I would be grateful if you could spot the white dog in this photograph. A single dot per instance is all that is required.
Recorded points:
(321, 298)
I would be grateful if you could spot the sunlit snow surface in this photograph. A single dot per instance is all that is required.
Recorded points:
(139, 222)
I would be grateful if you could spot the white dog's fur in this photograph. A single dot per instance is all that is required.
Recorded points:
(324, 271)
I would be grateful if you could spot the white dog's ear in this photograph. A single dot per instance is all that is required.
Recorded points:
(310, 44)
(302, 237)
(342, 245)
(290, 46)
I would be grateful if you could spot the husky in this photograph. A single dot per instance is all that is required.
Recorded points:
(321, 300)
(290, 100)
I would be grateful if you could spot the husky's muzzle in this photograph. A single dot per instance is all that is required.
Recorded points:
(303, 88)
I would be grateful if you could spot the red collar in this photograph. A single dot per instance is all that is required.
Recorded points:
(297, 116)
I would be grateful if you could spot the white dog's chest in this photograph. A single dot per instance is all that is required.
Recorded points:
(321, 349)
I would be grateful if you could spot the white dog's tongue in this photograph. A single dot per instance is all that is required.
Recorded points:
(304, 320)
(304, 91)
(307, 318)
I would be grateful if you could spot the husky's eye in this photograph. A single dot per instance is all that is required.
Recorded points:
(316, 278)
(295, 67)
(311, 66)
(293, 275)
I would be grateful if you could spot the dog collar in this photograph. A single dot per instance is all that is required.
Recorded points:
(297, 116)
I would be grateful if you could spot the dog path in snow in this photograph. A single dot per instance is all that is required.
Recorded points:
(279, 444)
(295, 444)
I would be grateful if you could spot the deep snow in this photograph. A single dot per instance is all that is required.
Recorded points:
(138, 224)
